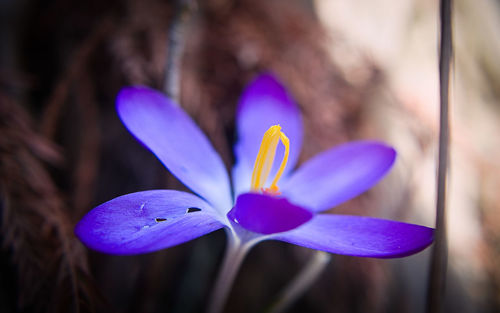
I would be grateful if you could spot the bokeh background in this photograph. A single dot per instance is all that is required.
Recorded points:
(358, 70)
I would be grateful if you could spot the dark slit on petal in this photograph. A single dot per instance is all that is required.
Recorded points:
(160, 219)
(191, 210)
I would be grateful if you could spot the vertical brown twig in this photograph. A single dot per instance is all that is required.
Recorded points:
(437, 278)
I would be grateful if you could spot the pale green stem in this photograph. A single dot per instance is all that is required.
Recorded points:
(301, 283)
(236, 251)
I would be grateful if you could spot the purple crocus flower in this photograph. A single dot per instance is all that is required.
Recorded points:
(268, 200)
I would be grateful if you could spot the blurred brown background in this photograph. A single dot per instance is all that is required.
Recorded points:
(358, 69)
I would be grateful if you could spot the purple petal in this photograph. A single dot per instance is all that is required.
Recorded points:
(176, 140)
(267, 214)
(360, 236)
(265, 102)
(338, 174)
(146, 221)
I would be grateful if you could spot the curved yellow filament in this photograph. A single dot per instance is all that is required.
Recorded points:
(265, 159)
(286, 142)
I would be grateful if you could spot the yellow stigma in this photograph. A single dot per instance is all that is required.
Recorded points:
(265, 159)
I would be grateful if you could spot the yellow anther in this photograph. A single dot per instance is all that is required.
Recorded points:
(265, 159)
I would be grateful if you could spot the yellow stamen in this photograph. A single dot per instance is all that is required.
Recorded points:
(265, 159)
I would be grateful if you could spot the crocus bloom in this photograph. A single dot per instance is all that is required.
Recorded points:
(266, 200)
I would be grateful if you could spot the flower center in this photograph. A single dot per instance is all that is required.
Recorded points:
(265, 160)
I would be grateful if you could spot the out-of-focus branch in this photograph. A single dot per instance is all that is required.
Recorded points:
(175, 48)
(437, 278)
(301, 283)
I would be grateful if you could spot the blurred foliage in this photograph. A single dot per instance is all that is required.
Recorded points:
(357, 69)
